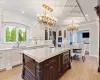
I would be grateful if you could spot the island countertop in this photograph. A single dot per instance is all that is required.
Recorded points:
(41, 54)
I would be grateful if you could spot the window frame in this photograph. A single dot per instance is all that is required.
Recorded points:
(18, 26)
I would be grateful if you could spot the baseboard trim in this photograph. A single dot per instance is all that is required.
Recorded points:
(94, 56)
(9, 68)
(16, 65)
(2, 70)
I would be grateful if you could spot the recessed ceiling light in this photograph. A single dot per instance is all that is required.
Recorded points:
(23, 12)
(86, 15)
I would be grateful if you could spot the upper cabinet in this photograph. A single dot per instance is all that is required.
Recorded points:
(64, 33)
(50, 35)
(60, 33)
(46, 35)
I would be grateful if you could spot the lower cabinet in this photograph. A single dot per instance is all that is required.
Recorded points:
(16, 57)
(9, 59)
(50, 69)
(8, 56)
(66, 61)
(2, 61)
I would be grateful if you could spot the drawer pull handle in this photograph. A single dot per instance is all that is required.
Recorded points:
(51, 67)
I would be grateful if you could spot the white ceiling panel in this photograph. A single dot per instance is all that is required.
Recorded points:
(88, 8)
(76, 20)
(64, 10)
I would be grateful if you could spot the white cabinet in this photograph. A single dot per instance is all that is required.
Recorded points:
(2, 60)
(8, 59)
(5, 60)
(11, 58)
(16, 57)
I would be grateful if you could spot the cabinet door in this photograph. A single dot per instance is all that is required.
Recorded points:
(47, 73)
(66, 61)
(16, 58)
(2, 61)
(54, 71)
(51, 72)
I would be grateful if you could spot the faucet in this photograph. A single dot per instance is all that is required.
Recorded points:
(18, 44)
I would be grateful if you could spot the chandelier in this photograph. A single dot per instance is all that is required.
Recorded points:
(46, 18)
(73, 27)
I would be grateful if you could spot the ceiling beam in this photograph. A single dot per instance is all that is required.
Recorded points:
(64, 5)
(81, 10)
(70, 11)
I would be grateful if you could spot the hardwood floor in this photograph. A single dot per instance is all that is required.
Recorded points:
(80, 71)
(83, 70)
(14, 74)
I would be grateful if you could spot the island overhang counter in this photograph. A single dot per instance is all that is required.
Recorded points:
(45, 63)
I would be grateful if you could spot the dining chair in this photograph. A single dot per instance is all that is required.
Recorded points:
(83, 51)
(77, 51)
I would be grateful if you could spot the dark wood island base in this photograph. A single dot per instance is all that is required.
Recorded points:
(50, 69)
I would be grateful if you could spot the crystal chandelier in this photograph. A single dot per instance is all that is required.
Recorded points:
(73, 27)
(47, 18)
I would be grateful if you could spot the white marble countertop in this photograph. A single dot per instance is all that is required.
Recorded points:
(41, 54)
(5, 49)
(23, 47)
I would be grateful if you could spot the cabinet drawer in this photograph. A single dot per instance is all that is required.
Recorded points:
(66, 58)
(31, 67)
(28, 59)
(50, 62)
(29, 75)
(65, 67)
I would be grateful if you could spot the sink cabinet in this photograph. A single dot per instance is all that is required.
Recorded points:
(16, 57)
(11, 58)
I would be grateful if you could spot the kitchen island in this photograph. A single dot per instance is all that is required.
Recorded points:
(45, 63)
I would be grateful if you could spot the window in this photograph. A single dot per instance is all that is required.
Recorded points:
(22, 34)
(10, 34)
(15, 33)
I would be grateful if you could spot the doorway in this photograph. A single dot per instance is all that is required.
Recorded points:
(83, 36)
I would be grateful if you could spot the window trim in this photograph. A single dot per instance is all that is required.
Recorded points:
(17, 25)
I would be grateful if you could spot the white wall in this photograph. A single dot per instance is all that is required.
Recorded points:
(35, 30)
(94, 37)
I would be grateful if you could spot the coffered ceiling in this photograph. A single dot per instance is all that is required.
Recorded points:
(65, 10)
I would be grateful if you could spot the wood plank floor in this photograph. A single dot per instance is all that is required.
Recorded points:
(79, 71)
